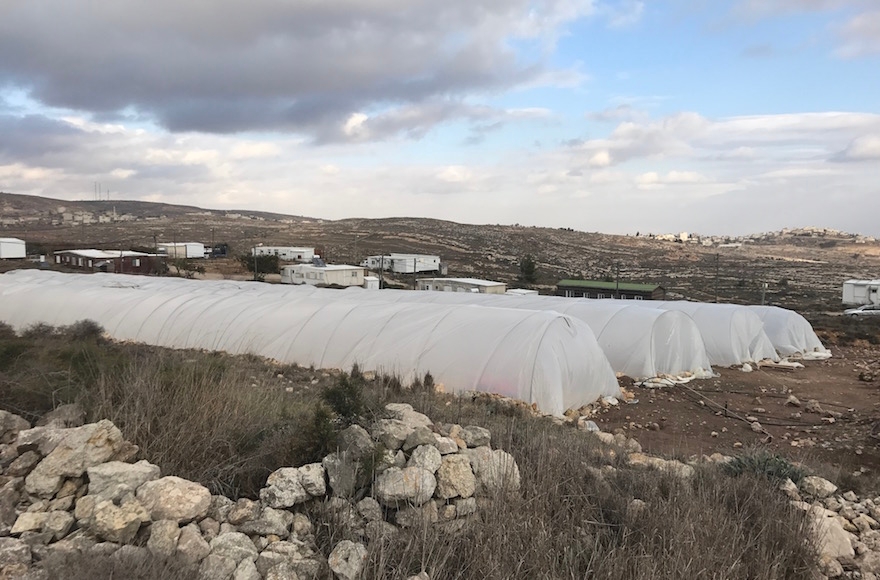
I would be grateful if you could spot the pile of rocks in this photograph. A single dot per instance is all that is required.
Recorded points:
(845, 527)
(72, 489)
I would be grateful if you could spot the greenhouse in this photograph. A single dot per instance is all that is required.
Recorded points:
(790, 333)
(545, 358)
(639, 342)
(733, 334)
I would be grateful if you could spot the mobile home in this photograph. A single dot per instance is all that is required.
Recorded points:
(12, 248)
(858, 292)
(330, 275)
(181, 249)
(462, 285)
(403, 263)
(286, 253)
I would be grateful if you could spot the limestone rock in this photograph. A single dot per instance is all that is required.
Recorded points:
(369, 509)
(63, 417)
(379, 531)
(23, 464)
(234, 545)
(342, 472)
(271, 522)
(415, 516)
(790, 489)
(118, 523)
(425, 456)
(58, 524)
(11, 425)
(419, 436)
(217, 567)
(817, 487)
(396, 486)
(80, 448)
(220, 508)
(455, 478)
(445, 445)
(29, 522)
(356, 441)
(465, 507)
(474, 436)
(163, 538)
(496, 471)
(391, 433)
(13, 552)
(246, 570)
(173, 498)
(113, 473)
(244, 510)
(832, 540)
(191, 546)
(405, 413)
(347, 560)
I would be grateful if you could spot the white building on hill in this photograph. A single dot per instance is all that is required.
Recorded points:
(331, 275)
(12, 248)
(462, 285)
(181, 249)
(286, 253)
(403, 263)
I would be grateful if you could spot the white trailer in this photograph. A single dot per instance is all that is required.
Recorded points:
(12, 249)
(329, 275)
(858, 292)
(286, 253)
(403, 263)
(181, 249)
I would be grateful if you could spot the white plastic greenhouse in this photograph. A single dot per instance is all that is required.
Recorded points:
(790, 333)
(639, 342)
(545, 358)
(733, 334)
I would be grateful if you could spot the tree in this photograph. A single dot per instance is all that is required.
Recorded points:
(527, 270)
(187, 268)
(264, 264)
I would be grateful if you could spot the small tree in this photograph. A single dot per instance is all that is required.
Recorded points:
(527, 269)
(187, 268)
(264, 265)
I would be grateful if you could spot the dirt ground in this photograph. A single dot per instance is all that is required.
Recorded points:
(705, 416)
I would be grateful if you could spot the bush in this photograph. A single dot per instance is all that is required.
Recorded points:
(346, 397)
(764, 464)
(83, 330)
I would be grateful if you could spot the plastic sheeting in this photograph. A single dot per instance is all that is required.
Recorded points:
(544, 358)
(639, 342)
(733, 334)
(790, 333)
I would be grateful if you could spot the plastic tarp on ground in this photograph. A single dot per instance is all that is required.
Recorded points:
(544, 358)
(733, 334)
(790, 333)
(639, 342)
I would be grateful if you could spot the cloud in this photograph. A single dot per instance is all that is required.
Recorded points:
(622, 112)
(625, 13)
(299, 67)
(864, 148)
(860, 36)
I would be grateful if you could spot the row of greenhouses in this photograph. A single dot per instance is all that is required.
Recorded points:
(557, 353)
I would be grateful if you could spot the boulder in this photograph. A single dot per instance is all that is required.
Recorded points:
(412, 516)
(217, 567)
(347, 560)
(405, 413)
(29, 522)
(234, 545)
(63, 417)
(342, 473)
(817, 487)
(391, 433)
(163, 538)
(314, 479)
(113, 473)
(23, 464)
(445, 445)
(271, 522)
(356, 441)
(455, 478)
(220, 508)
(191, 546)
(173, 498)
(118, 524)
(465, 506)
(246, 570)
(244, 510)
(425, 456)
(419, 436)
(58, 524)
(11, 425)
(369, 509)
(396, 486)
(474, 436)
(79, 449)
(832, 541)
(495, 471)
(13, 552)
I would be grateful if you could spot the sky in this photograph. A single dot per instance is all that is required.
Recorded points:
(617, 116)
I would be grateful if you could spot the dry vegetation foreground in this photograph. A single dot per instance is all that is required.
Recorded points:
(228, 422)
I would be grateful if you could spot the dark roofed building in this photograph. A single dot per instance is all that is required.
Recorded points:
(602, 289)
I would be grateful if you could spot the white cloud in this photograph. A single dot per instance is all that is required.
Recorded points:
(864, 148)
(861, 35)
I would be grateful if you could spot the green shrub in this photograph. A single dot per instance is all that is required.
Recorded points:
(346, 398)
(766, 464)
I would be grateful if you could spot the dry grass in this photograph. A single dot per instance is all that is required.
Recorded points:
(198, 416)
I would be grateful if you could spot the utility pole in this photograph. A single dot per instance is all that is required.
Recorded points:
(617, 280)
(763, 292)
(255, 263)
(415, 269)
(716, 278)
(381, 269)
